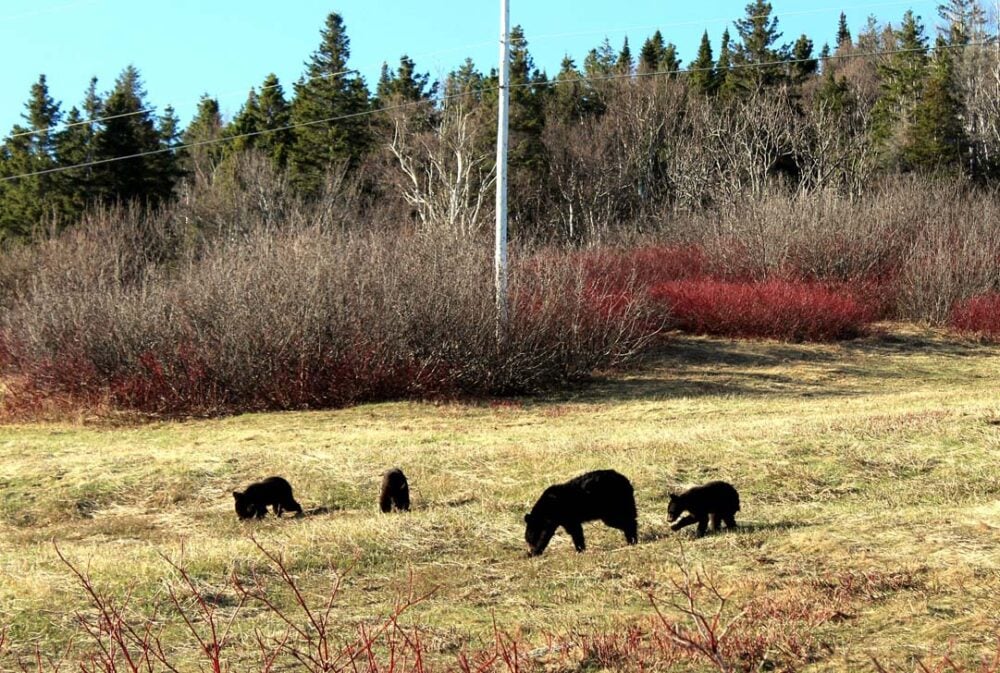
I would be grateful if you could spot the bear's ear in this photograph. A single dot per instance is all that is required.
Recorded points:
(527, 518)
(237, 494)
(673, 496)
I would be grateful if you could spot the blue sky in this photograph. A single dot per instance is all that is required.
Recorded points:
(185, 48)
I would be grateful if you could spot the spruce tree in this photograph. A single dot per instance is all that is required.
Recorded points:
(28, 200)
(329, 101)
(651, 53)
(463, 85)
(803, 65)
(624, 64)
(129, 129)
(568, 98)
(263, 123)
(75, 145)
(902, 75)
(528, 91)
(202, 136)
(404, 85)
(724, 73)
(936, 139)
(668, 60)
(600, 62)
(703, 77)
(758, 55)
(843, 32)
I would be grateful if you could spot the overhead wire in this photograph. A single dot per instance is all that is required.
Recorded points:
(484, 90)
(151, 109)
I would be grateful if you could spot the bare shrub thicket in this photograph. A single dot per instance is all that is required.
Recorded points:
(243, 314)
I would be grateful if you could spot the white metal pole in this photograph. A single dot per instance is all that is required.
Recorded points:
(500, 253)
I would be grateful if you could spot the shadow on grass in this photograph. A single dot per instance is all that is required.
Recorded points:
(743, 528)
(690, 366)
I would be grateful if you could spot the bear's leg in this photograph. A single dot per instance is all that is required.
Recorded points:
(702, 525)
(715, 520)
(291, 505)
(402, 501)
(730, 520)
(683, 521)
(261, 511)
(575, 531)
(278, 509)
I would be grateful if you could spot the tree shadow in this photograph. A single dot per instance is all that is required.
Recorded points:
(692, 366)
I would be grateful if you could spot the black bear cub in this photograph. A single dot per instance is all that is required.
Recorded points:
(604, 495)
(395, 491)
(717, 501)
(273, 491)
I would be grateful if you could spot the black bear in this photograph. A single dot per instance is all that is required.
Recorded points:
(716, 500)
(395, 491)
(274, 491)
(603, 494)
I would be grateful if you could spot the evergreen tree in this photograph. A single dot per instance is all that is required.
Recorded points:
(843, 32)
(75, 145)
(902, 75)
(202, 135)
(757, 55)
(624, 64)
(669, 61)
(936, 140)
(327, 107)
(463, 86)
(600, 62)
(571, 98)
(803, 65)
(528, 90)
(404, 85)
(130, 129)
(652, 53)
(724, 74)
(834, 94)
(263, 123)
(28, 200)
(703, 77)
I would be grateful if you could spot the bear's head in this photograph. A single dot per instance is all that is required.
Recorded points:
(535, 534)
(674, 507)
(245, 509)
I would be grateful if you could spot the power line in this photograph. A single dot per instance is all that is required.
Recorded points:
(479, 92)
(94, 120)
(134, 113)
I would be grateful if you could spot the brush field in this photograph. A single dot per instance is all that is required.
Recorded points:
(869, 474)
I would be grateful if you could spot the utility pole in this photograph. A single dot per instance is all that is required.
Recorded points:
(500, 254)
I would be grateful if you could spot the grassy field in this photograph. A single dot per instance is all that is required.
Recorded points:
(869, 473)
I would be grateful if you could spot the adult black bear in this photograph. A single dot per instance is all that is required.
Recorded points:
(716, 501)
(604, 495)
(395, 491)
(273, 491)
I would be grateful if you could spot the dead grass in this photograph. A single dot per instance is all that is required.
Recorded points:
(868, 470)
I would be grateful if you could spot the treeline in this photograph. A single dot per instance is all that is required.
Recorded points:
(617, 140)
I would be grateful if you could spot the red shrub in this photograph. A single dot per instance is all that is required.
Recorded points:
(776, 309)
(980, 315)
